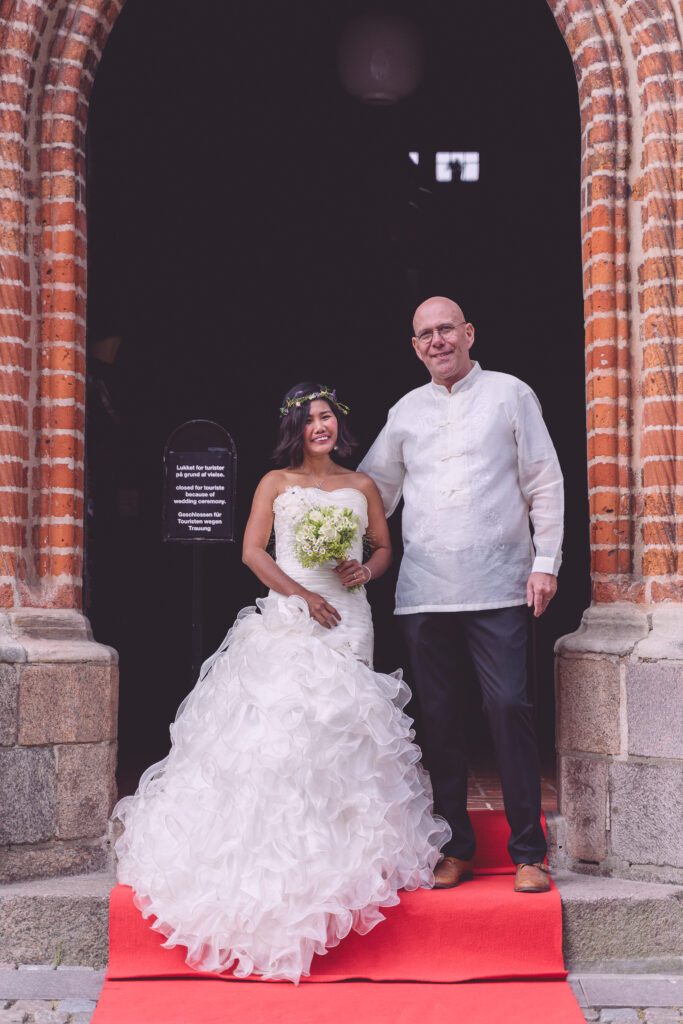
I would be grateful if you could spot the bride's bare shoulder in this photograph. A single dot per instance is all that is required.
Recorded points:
(362, 481)
(270, 485)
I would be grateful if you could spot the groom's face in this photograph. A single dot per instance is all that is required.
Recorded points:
(442, 340)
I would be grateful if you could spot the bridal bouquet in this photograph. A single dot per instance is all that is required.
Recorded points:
(325, 534)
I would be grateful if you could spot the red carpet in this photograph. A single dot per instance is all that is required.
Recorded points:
(505, 950)
(209, 1002)
(475, 931)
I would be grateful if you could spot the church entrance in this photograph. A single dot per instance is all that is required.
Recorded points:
(252, 224)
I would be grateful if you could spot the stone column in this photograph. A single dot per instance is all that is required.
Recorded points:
(619, 678)
(620, 742)
(58, 708)
(58, 688)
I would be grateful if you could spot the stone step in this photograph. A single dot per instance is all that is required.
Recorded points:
(609, 924)
(614, 924)
(56, 920)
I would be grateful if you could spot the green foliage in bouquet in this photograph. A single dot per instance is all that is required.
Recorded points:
(324, 534)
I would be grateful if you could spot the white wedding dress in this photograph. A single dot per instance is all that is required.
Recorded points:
(291, 806)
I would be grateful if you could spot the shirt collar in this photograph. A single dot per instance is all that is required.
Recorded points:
(460, 385)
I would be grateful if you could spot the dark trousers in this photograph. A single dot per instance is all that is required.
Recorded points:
(497, 642)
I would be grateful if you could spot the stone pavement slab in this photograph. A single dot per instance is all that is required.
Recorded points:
(10, 1017)
(619, 990)
(77, 1005)
(74, 983)
(50, 1016)
(46, 1011)
(620, 1015)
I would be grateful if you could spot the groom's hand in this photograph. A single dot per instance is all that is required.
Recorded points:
(540, 590)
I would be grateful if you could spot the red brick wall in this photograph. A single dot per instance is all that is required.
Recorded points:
(656, 51)
(629, 64)
(592, 38)
(628, 60)
(50, 51)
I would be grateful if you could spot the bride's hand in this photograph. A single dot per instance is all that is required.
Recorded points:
(352, 573)
(320, 610)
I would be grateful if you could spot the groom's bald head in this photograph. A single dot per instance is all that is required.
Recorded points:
(442, 339)
(438, 307)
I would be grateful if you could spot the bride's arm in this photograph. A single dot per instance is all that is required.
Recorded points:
(254, 555)
(378, 535)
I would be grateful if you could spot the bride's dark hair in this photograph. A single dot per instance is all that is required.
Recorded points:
(289, 450)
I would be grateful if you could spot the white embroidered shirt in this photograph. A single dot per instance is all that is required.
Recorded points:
(474, 465)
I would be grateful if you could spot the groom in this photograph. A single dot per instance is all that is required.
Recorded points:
(473, 459)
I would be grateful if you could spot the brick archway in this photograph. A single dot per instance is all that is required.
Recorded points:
(50, 55)
(603, 100)
(628, 60)
(628, 63)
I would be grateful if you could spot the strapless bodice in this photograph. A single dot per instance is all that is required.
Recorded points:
(355, 628)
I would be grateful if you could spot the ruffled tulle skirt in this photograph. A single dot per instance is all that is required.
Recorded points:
(291, 807)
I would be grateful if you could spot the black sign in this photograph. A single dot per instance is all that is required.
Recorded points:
(199, 483)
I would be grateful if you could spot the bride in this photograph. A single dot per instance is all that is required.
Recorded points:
(291, 806)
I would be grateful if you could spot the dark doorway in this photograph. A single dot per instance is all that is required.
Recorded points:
(252, 225)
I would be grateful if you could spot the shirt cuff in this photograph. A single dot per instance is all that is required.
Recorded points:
(544, 564)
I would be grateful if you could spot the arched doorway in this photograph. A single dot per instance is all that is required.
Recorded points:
(252, 227)
(59, 686)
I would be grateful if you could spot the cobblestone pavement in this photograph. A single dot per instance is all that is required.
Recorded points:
(46, 1011)
(79, 1011)
(631, 1015)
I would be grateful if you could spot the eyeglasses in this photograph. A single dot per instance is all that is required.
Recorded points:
(447, 331)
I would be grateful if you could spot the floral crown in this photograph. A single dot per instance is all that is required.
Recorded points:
(298, 400)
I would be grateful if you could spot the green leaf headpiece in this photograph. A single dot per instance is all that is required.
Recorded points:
(330, 395)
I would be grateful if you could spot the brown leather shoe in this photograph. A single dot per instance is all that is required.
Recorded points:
(532, 878)
(451, 871)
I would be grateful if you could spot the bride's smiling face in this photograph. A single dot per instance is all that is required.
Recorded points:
(320, 429)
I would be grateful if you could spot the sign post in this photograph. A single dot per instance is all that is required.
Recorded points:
(200, 463)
